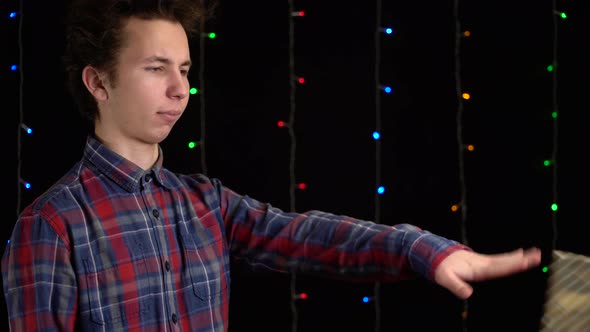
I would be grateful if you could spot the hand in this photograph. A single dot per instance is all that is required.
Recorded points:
(464, 266)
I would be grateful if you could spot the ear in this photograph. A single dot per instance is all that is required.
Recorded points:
(94, 82)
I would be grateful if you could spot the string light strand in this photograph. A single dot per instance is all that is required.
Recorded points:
(555, 117)
(293, 149)
(459, 123)
(377, 212)
(20, 111)
(202, 97)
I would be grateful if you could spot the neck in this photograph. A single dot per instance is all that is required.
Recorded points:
(142, 154)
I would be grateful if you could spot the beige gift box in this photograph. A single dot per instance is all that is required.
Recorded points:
(567, 301)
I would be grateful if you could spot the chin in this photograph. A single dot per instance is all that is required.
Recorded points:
(155, 139)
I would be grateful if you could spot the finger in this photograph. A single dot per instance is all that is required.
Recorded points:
(508, 263)
(457, 286)
(533, 256)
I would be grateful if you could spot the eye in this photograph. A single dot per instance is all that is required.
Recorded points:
(184, 72)
(155, 69)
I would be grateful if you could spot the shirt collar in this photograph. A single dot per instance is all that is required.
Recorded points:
(120, 170)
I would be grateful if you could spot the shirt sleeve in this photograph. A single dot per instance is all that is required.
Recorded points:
(329, 244)
(38, 278)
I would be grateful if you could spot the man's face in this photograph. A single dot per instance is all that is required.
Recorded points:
(151, 89)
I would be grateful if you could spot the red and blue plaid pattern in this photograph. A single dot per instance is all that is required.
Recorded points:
(111, 247)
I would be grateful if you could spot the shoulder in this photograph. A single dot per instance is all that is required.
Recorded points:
(201, 188)
(50, 206)
(58, 192)
(193, 182)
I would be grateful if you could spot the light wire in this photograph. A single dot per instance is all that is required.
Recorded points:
(460, 143)
(377, 216)
(202, 46)
(555, 123)
(291, 130)
(20, 112)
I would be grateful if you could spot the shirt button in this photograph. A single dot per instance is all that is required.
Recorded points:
(148, 177)
(174, 318)
(167, 265)
(156, 213)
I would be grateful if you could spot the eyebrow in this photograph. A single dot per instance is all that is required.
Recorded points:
(166, 61)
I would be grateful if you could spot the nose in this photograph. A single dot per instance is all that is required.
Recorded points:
(178, 86)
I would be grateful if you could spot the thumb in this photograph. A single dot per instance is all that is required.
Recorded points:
(456, 285)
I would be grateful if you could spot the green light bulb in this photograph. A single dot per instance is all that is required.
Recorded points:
(545, 269)
(192, 145)
(554, 115)
(547, 163)
(550, 68)
(563, 15)
(554, 207)
(212, 35)
(194, 91)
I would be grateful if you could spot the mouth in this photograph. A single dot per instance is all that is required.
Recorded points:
(169, 116)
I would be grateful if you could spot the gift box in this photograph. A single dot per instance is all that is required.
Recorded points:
(567, 298)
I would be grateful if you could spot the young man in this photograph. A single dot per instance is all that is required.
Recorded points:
(122, 244)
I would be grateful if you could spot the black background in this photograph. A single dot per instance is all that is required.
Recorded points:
(245, 91)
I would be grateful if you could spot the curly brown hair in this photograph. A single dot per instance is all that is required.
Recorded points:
(94, 36)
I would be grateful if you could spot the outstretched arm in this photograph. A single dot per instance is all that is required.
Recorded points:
(461, 267)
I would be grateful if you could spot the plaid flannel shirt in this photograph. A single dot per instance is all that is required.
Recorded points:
(112, 247)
